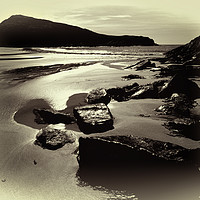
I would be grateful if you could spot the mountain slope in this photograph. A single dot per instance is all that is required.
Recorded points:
(189, 52)
(22, 31)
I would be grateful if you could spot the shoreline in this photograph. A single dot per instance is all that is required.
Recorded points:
(55, 176)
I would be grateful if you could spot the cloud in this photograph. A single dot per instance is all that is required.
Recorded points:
(122, 20)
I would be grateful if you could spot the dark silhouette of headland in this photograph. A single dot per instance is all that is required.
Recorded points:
(23, 31)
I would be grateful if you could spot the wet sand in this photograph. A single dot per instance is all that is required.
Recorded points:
(55, 175)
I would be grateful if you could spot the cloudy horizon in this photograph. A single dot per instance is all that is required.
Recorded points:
(167, 22)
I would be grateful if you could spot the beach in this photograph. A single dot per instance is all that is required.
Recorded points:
(31, 172)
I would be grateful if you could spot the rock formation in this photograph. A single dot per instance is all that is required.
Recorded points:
(123, 93)
(138, 152)
(98, 95)
(143, 64)
(180, 84)
(44, 116)
(132, 76)
(93, 118)
(51, 138)
(186, 54)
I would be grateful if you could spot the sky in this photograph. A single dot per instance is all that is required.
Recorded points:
(167, 22)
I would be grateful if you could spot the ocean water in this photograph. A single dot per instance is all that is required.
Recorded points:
(55, 175)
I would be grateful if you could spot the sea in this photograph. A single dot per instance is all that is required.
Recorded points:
(28, 171)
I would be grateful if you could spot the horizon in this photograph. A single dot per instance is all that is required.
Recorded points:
(166, 22)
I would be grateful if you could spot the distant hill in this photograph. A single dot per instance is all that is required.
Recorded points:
(23, 31)
(188, 53)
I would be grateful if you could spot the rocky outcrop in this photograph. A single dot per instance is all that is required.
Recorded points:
(178, 105)
(185, 124)
(23, 31)
(132, 76)
(149, 91)
(127, 162)
(93, 118)
(44, 116)
(180, 84)
(141, 65)
(185, 127)
(140, 153)
(186, 54)
(184, 70)
(123, 93)
(51, 138)
(98, 95)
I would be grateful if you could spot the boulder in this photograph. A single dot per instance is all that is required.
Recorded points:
(123, 93)
(137, 152)
(180, 84)
(148, 91)
(127, 162)
(98, 96)
(143, 64)
(178, 105)
(186, 127)
(132, 76)
(44, 116)
(51, 138)
(93, 118)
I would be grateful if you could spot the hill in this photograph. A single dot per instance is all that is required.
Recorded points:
(189, 53)
(23, 31)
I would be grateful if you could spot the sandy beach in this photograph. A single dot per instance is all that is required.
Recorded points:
(54, 176)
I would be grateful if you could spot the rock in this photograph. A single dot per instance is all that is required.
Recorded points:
(148, 91)
(44, 116)
(178, 105)
(143, 64)
(186, 69)
(180, 84)
(186, 127)
(134, 91)
(132, 76)
(93, 118)
(127, 162)
(140, 153)
(51, 138)
(173, 69)
(123, 93)
(98, 96)
(189, 52)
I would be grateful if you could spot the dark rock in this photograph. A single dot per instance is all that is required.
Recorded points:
(93, 118)
(180, 84)
(178, 105)
(183, 69)
(159, 84)
(44, 116)
(121, 163)
(51, 138)
(134, 91)
(149, 91)
(123, 93)
(172, 69)
(186, 127)
(140, 153)
(98, 96)
(143, 64)
(185, 53)
(132, 76)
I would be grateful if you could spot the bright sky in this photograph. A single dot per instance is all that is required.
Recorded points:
(167, 22)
